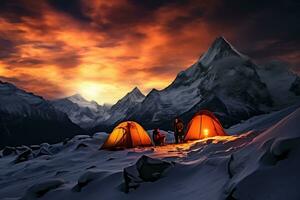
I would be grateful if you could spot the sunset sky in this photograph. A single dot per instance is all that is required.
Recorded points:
(104, 48)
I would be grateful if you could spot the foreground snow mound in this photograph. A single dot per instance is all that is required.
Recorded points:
(40, 189)
(269, 167)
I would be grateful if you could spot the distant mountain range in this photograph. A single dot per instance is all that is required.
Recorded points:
(82, 112)
(26, 118)
(223, 80)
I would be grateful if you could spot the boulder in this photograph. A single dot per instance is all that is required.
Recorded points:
(35, 147)
(24, 156)
(8, 151)
(43, 151)
(146, 169)
(81, 146)
(22, 148)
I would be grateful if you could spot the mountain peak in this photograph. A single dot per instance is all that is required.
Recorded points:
(76, 97)
(221, 39)
(136, 90)
(134, 95)
(220, 48)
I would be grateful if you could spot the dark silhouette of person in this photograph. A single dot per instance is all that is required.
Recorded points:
(178, 130)
(158, 137)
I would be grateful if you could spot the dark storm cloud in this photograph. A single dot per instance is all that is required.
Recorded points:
(70, 60)
(73, 8)
(7, 48)
(15, 10)
(255, 23)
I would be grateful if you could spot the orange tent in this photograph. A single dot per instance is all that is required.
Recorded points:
(204, 124)
(127, 134)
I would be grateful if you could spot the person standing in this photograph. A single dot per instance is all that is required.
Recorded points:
(178, 130)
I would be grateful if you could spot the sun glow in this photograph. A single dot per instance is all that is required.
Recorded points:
(100, 92)
(91, 91)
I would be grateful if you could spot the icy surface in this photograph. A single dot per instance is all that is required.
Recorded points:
(260, 160)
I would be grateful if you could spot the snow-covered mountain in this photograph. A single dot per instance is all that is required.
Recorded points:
(222, 80)
(281, 83)
(82, 112)
(26, 118)
(125, 106)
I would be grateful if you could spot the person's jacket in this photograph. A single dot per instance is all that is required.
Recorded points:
(155, 135)
(179, 126)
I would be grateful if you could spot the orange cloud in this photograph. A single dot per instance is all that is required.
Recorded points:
(103, 49)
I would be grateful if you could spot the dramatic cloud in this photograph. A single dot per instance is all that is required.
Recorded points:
(103, 49)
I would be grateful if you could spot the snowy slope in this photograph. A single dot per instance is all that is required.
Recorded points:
(82, 112)
(295, 86)
(257, 164)
(279, 80)
(26, 118)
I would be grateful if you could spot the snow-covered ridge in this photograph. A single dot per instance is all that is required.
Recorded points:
(19, 102)
(125, 105)
(82, 112)
(82, 102)
(26, 118)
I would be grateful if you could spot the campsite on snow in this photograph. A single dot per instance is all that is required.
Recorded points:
(149, 100)
(239, 141)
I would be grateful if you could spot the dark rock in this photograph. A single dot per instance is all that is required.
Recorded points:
(146, 169)
(43, 151)
(151, 169)
(22, 148)
(35, 147)
(66, 141)
(91, 167)
(24, 156)
(295, 87)
(8, 151)
(109, 159)
(81, 146)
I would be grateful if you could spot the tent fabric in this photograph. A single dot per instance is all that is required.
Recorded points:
(204, 124)
(127, 134)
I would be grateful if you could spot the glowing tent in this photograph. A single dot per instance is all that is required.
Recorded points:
(204, 124)
(127, 134)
